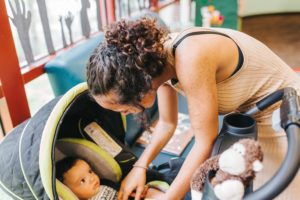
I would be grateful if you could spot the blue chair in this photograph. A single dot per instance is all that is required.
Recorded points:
(68, 68)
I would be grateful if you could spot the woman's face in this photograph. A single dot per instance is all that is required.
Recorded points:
(110, 101)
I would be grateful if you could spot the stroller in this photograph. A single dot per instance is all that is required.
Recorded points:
(241, 125)
(71, 125)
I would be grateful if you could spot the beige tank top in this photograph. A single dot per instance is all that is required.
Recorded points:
(262, 73)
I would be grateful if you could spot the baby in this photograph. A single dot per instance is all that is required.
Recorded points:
(79, 177)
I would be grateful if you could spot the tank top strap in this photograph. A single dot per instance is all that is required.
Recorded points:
(194, 33)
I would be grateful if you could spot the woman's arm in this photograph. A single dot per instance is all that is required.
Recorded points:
(166, 125)
(167, 103)
(196, 72)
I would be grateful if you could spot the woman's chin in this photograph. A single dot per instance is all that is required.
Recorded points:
(149, 104)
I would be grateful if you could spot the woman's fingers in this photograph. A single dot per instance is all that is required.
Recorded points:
(123, 195)
(134, 182)
(145, 191)
(138, 192)
(120, 193)
(125, 192)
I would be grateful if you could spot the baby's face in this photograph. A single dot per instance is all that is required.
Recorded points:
(82, 180)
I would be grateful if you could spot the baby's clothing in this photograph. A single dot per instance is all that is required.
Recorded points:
(108, 190)
(105, 193)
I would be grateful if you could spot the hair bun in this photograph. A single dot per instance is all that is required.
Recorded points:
(141, 41)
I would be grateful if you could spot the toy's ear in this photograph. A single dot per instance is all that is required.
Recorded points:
(257, 166)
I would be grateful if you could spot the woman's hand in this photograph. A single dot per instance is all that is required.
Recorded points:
(150, 194)
(134, 182)
(154, 194)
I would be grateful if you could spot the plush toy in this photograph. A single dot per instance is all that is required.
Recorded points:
(234, 169)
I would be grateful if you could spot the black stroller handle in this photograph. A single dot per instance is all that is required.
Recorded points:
(290, 117)
(267, 101)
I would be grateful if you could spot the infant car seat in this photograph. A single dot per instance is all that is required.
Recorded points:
(28, 152)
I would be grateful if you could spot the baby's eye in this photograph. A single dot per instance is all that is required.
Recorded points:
(90, 171)
(82, 181)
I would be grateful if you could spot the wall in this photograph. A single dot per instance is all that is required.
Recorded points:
(258, 7)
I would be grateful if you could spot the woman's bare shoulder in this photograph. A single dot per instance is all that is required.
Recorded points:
(174, 36)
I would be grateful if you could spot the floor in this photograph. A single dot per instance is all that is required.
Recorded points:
(281, 32)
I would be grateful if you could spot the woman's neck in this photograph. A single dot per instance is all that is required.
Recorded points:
(169, 71)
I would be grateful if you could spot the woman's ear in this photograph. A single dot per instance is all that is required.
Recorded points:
(148, 99)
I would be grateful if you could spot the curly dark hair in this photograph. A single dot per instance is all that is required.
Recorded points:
(131, 55)
(64, 165)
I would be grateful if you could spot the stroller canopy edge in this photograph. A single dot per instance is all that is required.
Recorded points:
(21, 162)
(8, 191)
(48, 137)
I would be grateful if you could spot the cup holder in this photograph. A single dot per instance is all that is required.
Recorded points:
(238, 124)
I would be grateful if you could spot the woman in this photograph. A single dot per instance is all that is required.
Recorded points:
(218, 71)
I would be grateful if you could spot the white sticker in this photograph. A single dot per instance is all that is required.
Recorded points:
(103, 139)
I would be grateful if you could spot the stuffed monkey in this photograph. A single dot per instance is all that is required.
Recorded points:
(234, 169)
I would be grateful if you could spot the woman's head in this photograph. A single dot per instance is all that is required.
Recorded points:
(121, 69)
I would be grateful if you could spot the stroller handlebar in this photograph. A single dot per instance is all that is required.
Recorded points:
(290, 122)
(267, 101)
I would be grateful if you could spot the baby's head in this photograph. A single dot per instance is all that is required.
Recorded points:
(77, 175)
